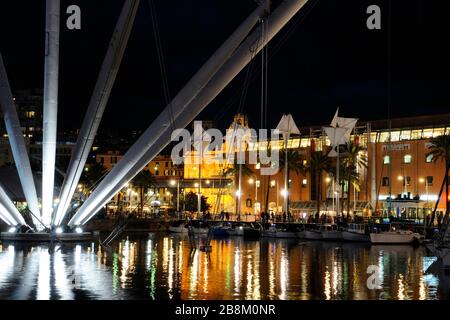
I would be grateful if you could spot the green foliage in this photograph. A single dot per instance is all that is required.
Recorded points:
(191, 202)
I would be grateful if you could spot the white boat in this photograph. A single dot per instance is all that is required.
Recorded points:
(179, 229)
(331, 232)
(395, 237)
(200, 230)
(356, 232)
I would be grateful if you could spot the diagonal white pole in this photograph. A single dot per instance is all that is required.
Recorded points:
(157, 136)
(17, 143)
(8, 211)
(50, 107)
(97, 104)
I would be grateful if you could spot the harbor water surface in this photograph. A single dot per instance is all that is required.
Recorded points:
(163, 266)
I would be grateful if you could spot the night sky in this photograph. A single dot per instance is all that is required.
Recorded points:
(324, 58)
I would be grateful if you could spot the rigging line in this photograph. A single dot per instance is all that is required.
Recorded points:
(275, 49)
(162, 63)
(241, 92)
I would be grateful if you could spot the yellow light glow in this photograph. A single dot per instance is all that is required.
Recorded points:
(272, 183)
(251, 181)
(327, 179)
(400, 178)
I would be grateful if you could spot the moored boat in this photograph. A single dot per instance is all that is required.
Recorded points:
(395, 237)
(356, 232)
(252, 231)
(179, 227)
(236, 230)
(331, 232)
(313, 233)
(283, 231)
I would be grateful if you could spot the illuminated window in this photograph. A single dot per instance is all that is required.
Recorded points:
(30, 114)
(272, 183)
(429, 158)
(386, 160)
(305, 162)
(304, 183)
(407, 158)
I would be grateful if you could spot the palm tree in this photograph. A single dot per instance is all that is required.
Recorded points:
(318, 164)
(143, 180)
(440, 150)
(353, 157)
(294, 162)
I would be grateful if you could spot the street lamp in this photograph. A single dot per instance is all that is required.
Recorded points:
(173, 183)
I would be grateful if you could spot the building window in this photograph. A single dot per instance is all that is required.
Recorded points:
(385, 181)
(407, 158)
(304, 183)
(407, 181)
(429, 158)
(30, 114)
(429, 180)
(166, 172)
(305, 162)
(386, 160)
(272, 184)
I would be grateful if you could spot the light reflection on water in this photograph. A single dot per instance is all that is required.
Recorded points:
(164, 267)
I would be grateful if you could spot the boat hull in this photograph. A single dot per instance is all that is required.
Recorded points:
(250, 233)
(356, 237)
(180, 229)
(332, 235)
(281, 234)
(391, 238)
(236, 232)
(313, 235)
(301, 235)
(200, 230)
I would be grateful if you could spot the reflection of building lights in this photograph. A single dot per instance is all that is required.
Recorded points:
(172, 182)
(208, 182)
(196, 185)
(167, 193)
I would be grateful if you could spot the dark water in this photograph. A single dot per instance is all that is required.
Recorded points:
(160, 266)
